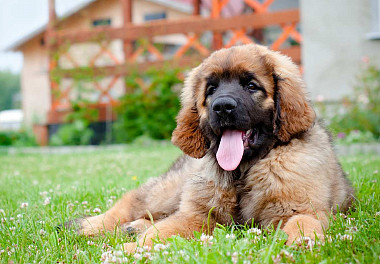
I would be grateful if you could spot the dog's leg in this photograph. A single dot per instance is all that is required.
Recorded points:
(158, 198)
(182, 224)
(203, 204)
(304, 225)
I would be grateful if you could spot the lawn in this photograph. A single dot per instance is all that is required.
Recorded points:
(37, 192)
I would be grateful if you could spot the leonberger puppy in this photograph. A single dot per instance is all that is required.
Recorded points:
(253, 151)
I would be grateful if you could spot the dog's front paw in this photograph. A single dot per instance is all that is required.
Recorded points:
(136, 227)
(75, 225)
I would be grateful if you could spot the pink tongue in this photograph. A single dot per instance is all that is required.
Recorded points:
(231, 149)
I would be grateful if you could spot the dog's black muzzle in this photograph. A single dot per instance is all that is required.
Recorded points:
(228, 108)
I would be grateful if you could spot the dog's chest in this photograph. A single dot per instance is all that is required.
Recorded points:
(257, 193)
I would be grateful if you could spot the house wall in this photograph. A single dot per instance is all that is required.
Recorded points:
(34, 78)
(335, 43)
(35, 82)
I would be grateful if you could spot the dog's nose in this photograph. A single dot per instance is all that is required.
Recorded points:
(223, 106)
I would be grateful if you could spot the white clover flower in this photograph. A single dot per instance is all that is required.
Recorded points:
(11, 219)
(19, 216)
(148, 255)
(352, 229)
(342, 215)
(146, 248)
(24, 205)
(3, 220)
(234, 257)
(90, 243)
(137, 256)
(255, 231)
(42, 232)
(287, 254)
(46, 201)
(84, 203)
(310, 243)
(12, 228)
(345, 237)
(44, 193)
(230, 236)
(158, 247)
(97, 210)
(350, 220)
(206, 239)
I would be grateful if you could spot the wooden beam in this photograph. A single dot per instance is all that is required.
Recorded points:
(294, 52)
(196, 7)
(127, 20)
(191, 25)
(52, 15)
(41, 133)
(126, 68)
(127, 11)
(59, 117)
(50, 44)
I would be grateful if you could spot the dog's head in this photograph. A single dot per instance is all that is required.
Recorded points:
(238, 101)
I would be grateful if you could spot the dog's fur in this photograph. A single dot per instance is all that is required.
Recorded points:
(289, 173)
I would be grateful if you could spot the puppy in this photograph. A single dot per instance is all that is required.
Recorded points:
(253, 151)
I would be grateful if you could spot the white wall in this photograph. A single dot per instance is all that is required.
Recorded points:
(334, 33)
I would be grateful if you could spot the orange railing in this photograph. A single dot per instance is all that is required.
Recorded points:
(192, 27)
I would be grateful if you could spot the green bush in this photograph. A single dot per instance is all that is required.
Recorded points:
(77, 131)
(21, 138)
(5, 139)
(148, 110)
(362, 111)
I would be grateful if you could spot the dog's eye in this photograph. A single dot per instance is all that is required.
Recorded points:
(252, 86)
(211, 89)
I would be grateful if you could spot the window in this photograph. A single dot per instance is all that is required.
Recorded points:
(155, 16)
(375, 13)
(101, 22)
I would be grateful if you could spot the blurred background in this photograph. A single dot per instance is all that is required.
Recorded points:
(80, 72)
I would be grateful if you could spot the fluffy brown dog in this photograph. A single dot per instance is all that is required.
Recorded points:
(253, 152)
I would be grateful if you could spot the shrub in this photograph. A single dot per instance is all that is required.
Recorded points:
(362, 111)
(17, 138)
(148, 110)
(5, 139)
(77, 131)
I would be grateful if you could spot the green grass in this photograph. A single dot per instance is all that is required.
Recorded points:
(62, 187)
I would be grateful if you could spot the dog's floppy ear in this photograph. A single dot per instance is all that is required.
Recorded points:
(188, 135)
(293, 113)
